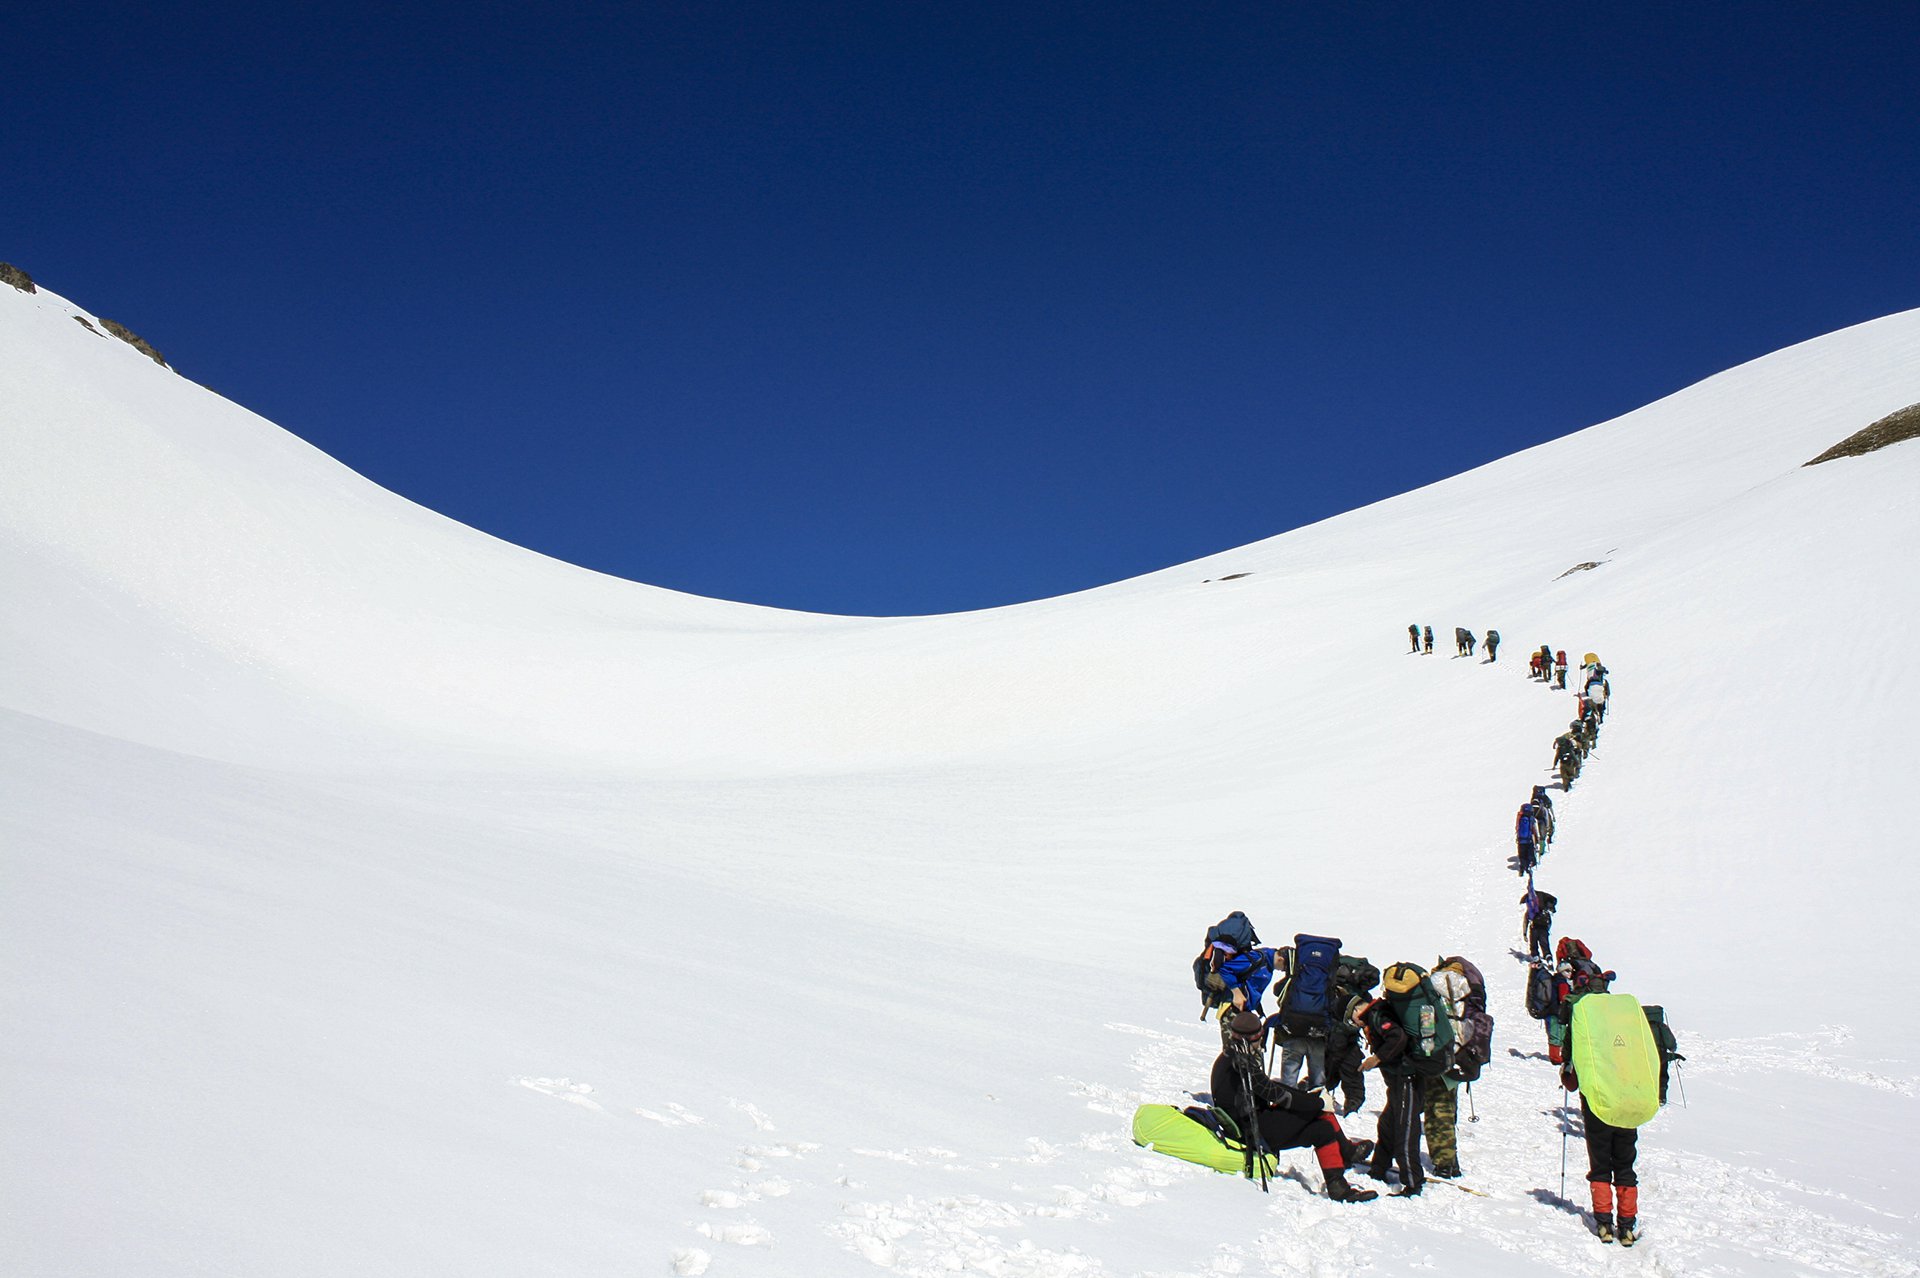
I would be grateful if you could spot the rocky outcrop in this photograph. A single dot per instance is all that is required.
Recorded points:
(132, 339)
(11, 274)
(1890, 429)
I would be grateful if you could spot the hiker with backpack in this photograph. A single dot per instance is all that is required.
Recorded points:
(1493, 645)
(1353, 978)
(1543, 812)
(1306, 1010)
(1464, 991)
(1537, 922)
(1412, 1040)
(1560, 669)
(1526, 838)
(1426, 639)
(1575, 973)
(1533, 665)
(1597, 697)
(1614, 1063)
(1566, 758)
(1232, 970)
(1413, 636)
(1459, 641)
(1397, 1132)
(1274, 1116)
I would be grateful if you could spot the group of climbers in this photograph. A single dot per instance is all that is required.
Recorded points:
(1420, 639)
(1548, 666)
(1582, 737)
(1336, 1018)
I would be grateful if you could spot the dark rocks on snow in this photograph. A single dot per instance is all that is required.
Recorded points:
(1890, 429)
(1588, 566)
(132, 339)
(11, 274)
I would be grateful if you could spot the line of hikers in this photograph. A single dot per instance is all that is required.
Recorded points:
(1420, 639)
(1582, 737)
(1613, 1051)
(1336, 1018)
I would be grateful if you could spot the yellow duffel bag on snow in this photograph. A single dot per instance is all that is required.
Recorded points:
(1166, 1130)
(1616, 1059)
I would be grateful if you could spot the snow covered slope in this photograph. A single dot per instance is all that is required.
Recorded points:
(381, 898)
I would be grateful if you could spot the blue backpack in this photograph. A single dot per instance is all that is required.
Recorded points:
(1525, 830)
(1306, 1001)
(1542, 997)
(1236, 930)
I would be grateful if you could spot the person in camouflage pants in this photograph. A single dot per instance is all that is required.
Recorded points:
(1442, 1111)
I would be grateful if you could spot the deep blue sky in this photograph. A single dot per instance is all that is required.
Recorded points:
(901, 307)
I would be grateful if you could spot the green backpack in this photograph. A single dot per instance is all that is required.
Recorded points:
(1422, 1013)
(1664, 1040)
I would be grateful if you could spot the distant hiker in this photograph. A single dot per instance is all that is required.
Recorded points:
(1232, 969)
(1614, 1063)
(1413, 636)
(1566, 757)
(1426, 638)
(1560, 669)
(1544, 801)
(1537, 921)
(1305, 1009)
(1533, 665)
(1526, 838)
(1471, 640)
(1459, 641)
(1283, 1117)
(1597, 696)
(1493, 645)
(1398, 1131)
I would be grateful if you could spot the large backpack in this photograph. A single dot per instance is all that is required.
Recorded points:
(1615, 1059)
(1356, 976)
(1422, 1013)
(1306, 1000)
(1664, 1040)
(1540, 992)
(1235, 930)
(1525, 828)
(1474, 1051)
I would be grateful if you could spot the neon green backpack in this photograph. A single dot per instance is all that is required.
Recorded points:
(1166, 1130)
(1616, 1058)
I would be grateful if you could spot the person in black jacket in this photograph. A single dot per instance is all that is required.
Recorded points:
(1399, 1129)
(1284, 1117)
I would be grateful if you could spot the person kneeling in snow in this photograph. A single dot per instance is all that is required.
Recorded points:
(1285, 1117)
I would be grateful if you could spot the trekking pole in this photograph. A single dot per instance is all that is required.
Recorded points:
(1565, 1128)
(1471, 1116)
(1256, 1143)
(1680, 1076)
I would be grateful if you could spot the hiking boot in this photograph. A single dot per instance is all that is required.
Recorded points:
(1629, 1231)
(1362, 1152)
(1339, 1191)
(1603, 1225)
(1447, 1171)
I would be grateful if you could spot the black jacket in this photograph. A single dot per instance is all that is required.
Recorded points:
(1234, 1070)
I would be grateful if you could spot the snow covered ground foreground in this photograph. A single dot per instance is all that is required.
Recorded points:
(383, 899)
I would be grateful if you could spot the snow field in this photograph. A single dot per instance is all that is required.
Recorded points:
(385, 899)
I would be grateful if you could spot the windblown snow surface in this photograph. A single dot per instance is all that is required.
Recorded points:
(380, 898)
